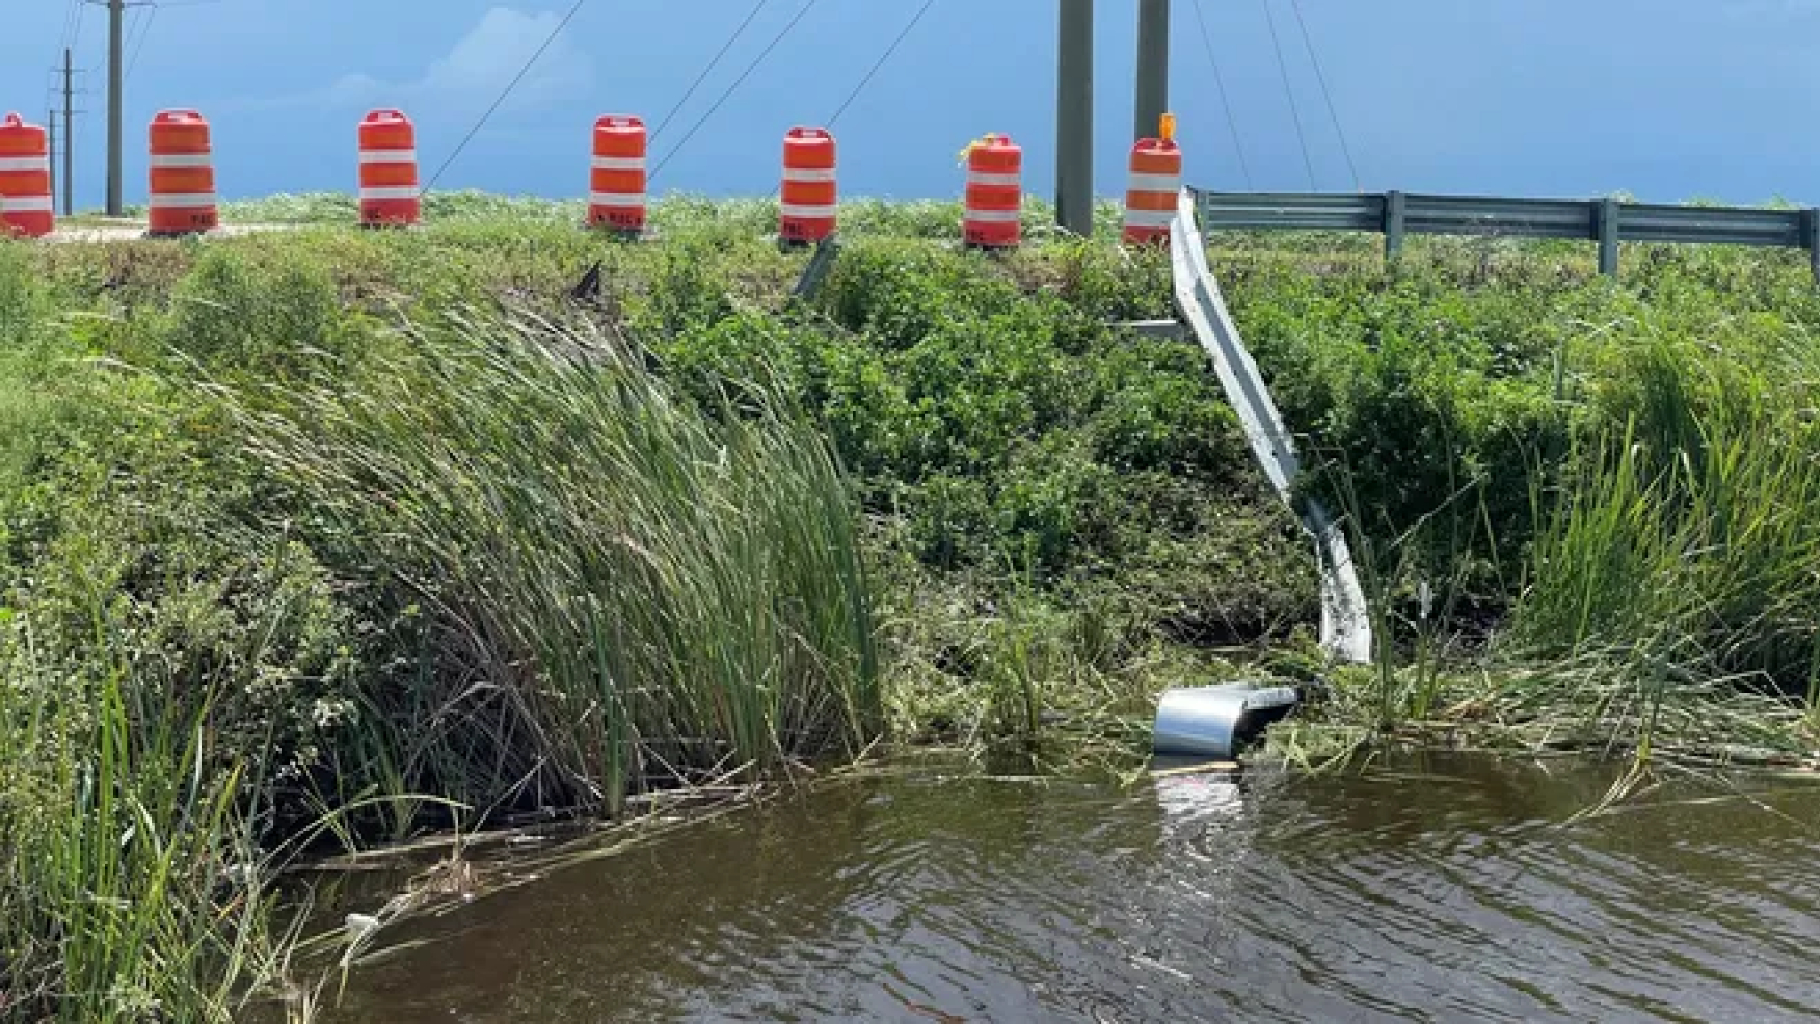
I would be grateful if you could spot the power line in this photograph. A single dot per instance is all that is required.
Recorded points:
(135, 17)
(876, 66)
(72, 25)
(70, 35)
(731, 89)
(1308, 41)
(712, 64)
(145, 28)
(63, 33)
(1219, 82)
(880, 63)
(506, 92)
(1294, 112)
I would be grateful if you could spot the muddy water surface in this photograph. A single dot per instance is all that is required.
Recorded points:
(1456, 889)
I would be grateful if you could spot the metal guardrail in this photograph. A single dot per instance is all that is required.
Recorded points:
(1345, 617)
(1606, 221)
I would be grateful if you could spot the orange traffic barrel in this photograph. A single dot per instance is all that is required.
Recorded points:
(806, 213)
(388, 170)
(25, 179)
(1155, 187)
(183, 175)
(616, 183)
(992, 218)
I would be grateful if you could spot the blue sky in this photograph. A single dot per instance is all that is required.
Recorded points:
(1666, 99)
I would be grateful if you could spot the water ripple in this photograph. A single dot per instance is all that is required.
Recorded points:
(1450, 895)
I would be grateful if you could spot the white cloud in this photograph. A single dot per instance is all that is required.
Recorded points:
(351, 89)
(484, 61)
(473, 73)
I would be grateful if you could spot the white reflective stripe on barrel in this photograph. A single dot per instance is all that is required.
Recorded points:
(190, 201)
(26, 204)
(25, 163)
(809, 175)
(979, 178)
(994, 216)
(182, 160)
(616, 199)
(619, 163)
(378, 194)
(1149, 218)
(388, 156)
(807, 212)
(1170, 183)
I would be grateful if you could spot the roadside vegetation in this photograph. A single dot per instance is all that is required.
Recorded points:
(325, 538)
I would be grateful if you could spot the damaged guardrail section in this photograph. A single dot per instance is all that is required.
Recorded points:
(1345, 622)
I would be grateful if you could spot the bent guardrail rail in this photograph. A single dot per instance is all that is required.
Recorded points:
(1345, 622)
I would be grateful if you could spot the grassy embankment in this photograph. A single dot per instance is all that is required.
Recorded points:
(342, 533)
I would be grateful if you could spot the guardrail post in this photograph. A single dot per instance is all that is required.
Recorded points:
(1394, 205)
(1812, 238)
(1608, 237)
(815, 273)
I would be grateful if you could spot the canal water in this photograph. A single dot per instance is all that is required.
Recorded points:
(1452, 888)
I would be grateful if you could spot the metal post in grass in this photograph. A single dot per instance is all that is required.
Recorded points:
(1811, 238)
(1608, 237)
(1074, 119)
(815, 274)
(1395, 205)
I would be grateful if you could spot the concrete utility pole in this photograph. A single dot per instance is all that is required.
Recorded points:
(116, 80)
(1152, 67)
(69, 135)
(51, 126)
(1074, 119)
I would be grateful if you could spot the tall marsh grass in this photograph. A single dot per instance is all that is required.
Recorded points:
(1687, 535)
(1683, 549)
(1668, 582)
(131, 886)
(613, 589)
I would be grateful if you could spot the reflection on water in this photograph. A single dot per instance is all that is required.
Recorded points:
(1448, 891)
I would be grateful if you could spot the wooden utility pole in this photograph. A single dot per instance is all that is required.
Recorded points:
(1152, 67)
(1074, 119)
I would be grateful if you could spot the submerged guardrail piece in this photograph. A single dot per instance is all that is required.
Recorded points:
(1217, 722)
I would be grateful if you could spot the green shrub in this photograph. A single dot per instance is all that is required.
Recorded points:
(242, 318)
(900, 294)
